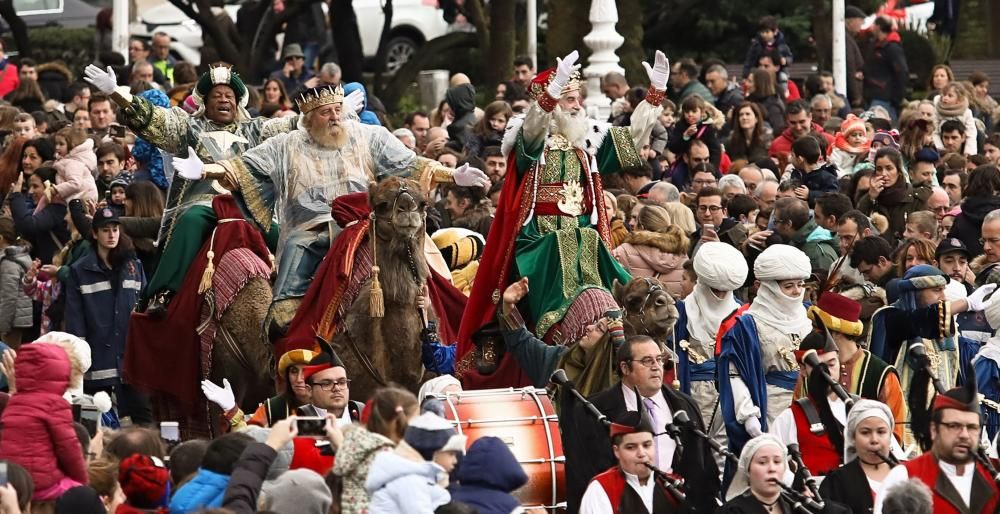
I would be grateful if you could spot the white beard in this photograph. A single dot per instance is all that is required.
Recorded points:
(572, 126)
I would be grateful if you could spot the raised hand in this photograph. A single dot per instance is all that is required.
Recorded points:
(516, 291)
(659, 72)
(355, 101)
(565, 68)
(221, 396)
(468, 176)
(104, 81)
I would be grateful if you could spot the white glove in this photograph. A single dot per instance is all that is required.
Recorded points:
(564, 70)
(221, 396)
(189, 167)
(104, 81)
(977, 300)
(659, 72)
(467, 176)
(355, 101)
(752, 425)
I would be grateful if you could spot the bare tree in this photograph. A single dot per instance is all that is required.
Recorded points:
(17, 27)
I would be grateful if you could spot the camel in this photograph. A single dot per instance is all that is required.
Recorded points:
(648, 308)
(379, 350)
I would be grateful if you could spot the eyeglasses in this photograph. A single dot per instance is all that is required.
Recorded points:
(706, 208)
(649, 362)
(328, 385)
(973, 428)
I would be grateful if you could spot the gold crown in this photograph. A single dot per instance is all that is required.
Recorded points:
(537, 87)
(318, 97)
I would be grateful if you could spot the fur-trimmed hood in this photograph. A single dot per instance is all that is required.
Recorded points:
(667, 243)
(715, 116)
(55, 68)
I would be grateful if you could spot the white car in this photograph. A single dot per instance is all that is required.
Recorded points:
(413, 23)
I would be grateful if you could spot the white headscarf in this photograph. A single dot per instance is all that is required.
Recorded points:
(771, 306)
(436, 385)
(720, 267)
(862, 410)
(741, 480)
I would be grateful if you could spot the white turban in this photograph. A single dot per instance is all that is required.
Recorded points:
(436, 385)
(720, 266)
(741, 480)
(782, 262)
(862, 410)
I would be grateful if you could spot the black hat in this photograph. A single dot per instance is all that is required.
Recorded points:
(103, 217)
(853, 12)
(963, 398)
(326, 359)
(927, 155)
(951, 245)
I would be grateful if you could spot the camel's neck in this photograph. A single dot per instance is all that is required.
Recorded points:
(397, 275)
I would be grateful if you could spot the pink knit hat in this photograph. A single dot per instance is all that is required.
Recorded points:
(591, 305)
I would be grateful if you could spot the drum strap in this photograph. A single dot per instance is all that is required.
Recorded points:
(365, 361)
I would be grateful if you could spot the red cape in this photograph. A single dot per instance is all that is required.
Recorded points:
(344, 266)
(493, 275)
(164, 357)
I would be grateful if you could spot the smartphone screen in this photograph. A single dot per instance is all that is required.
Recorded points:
(311, 426)
(90, 418)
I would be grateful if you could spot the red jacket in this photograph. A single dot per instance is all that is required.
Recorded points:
(985, 495)
(9, 79)
(782, 145)
(38, 422)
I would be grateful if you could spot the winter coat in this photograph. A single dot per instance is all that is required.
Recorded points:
(781, 147)
(694, 88)
(968, 226)
(773, 109)
(820, 180)
(653, 255)
(55, 78)
(758, 48)
(488, 474)
(677, 144)
(896, 214)
(248, 478)
(886, 73)
(401, 482)
(15, 305)
(462, 100)
(9, 78)
(818, 243)
(75, 173)
(99, 302)
(354, 460)
(46, 230)
(205, 490)
(37, 424)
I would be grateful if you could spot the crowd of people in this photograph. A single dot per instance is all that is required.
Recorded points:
(812, 333)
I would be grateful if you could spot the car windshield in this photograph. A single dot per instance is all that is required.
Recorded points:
(37, 6)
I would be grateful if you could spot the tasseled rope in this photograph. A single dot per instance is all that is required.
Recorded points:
(206, 277)
(376, 304)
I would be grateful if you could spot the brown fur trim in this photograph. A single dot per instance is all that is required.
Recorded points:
(880, 222)
(56, 66)
(668, 243)
(978, 264)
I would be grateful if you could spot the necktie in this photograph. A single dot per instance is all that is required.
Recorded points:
(655, 416)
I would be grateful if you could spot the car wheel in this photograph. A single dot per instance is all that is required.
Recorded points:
(401, 49)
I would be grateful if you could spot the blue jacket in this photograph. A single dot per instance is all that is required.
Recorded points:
(204, 491)
(487, 475)
(99, 302)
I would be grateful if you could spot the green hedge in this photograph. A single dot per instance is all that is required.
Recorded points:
(75, 47)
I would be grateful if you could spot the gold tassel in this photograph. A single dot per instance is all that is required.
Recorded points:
(376, 306)
(206, 278)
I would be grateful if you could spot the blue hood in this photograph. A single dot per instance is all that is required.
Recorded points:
(490, 464)
(367, 117)
(205, 490)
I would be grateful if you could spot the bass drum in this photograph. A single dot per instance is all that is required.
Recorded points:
(525, 420)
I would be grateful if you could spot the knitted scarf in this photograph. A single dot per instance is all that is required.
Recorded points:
(952, 111)
(894, 194)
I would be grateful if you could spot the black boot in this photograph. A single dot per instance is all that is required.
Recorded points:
(158, 305)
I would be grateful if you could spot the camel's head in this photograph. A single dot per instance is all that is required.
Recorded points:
(649, 308)
(400, 208)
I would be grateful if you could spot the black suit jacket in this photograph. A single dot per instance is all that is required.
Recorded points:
(587, 445)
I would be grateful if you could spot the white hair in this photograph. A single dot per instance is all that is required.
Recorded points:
(728, 181)
(993, 215)
(330, 68)
(822, 97)
(667, 190)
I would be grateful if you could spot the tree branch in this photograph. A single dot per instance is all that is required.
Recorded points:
(405, 75)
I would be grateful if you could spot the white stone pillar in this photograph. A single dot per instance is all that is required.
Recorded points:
(602, 41)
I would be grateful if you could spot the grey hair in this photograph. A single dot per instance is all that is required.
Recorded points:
(760, 188)
(141, 64)
(720, 69)
(910, 497)
(330, 68)
(820, 98)
(732, 181)
(768, 175)
(669, 191)
(993, 215)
